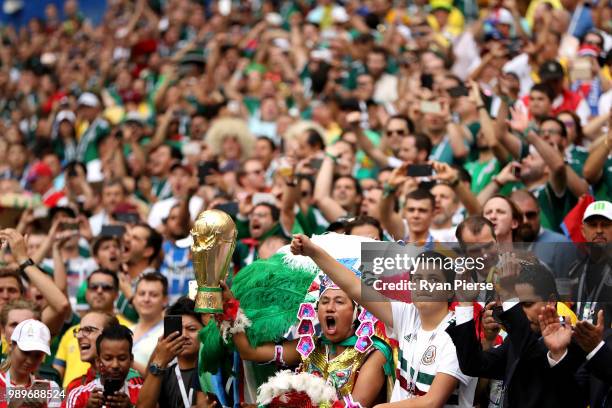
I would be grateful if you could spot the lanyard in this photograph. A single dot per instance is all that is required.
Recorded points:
(179, 378)
(588, 308)
(413, 378)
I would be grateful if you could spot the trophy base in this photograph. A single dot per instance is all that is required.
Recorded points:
(209, 300)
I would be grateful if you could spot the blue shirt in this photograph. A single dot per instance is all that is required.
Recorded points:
(177, 267)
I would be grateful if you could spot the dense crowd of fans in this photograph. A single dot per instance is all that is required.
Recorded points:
(422, 122)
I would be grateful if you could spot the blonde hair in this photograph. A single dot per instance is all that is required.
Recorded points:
(226, 127)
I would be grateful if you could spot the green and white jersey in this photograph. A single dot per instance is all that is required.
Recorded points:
(423, 354)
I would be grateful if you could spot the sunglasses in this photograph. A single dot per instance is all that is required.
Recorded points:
(530, 215)
(399, 132)
(106, 287)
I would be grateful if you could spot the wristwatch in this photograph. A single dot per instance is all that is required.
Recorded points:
(156, 369)
(25, 264)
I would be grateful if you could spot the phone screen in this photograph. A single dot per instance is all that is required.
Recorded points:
(111, 385)
(173, 324)
(431, 107)
(207, 168)
(112, 231)
(419, 170)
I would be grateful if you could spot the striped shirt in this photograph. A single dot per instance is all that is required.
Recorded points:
(79, 397)
(423, 354)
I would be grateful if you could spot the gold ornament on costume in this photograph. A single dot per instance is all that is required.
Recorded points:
(214, 239)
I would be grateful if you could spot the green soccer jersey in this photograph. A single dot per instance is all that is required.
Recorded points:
(482, 173)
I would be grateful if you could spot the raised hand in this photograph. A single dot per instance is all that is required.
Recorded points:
(489, 324)
(588, 335)
(302, 245)
(557, 336)
(519, 121)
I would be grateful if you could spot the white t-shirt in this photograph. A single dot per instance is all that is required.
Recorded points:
(423, 354)
(444, 234)
(161, 209)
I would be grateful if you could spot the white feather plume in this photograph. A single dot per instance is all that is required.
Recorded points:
(286, 381)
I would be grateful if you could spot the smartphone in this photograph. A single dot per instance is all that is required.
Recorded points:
(230, 208)
(112, 385)
(431, 107)
(193, 289)
(419, 170)
(516, 171)
(427, 81)
(581, 70)
(173, 323)
(112, 231)
(128, 218)
(457, 91)
(69, 225)
(497, 311)
(207, 168)
(259, 198)
(315, 163)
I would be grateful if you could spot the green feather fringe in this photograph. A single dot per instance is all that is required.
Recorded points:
(212, 349)
(270, 293)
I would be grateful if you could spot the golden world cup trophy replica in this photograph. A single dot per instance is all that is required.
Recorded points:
(214, 239)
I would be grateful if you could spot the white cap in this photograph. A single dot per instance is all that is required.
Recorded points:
(504, 16)
(32, 335)
(65, 115)
(136, 117)
(88, 99)
(601, 208)
(339, 15)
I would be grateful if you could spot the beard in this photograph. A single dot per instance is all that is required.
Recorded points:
(526, 233)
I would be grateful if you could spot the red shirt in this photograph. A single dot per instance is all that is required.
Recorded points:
(567, 101)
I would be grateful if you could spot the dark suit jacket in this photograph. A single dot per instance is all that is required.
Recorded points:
(598, 373)
(522, 364)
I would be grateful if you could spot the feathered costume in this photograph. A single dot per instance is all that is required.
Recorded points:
(271, 293)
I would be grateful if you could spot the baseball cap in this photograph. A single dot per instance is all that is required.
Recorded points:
(65, 115)
(40, 169)
(441, 5)
(88, 99)
(134, 117)
(551, 70)
(32, 335)
(503, 16)
(601, 208)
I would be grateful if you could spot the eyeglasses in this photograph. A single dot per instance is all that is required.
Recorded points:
(106, 287)
(595, 43)
(530, 215)
(549, 132)
(85, 331)
(399, 132)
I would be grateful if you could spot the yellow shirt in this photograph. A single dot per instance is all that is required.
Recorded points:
(564, 310)
(69, 357)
